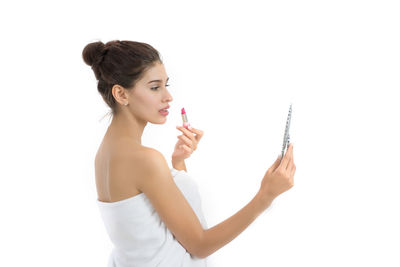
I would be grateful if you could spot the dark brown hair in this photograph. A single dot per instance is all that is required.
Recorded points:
(118, 62)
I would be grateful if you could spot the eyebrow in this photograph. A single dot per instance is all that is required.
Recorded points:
(158, 80)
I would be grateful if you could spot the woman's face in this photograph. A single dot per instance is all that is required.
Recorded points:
(150, 94)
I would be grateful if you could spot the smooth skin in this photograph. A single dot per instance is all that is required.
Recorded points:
(125, 168)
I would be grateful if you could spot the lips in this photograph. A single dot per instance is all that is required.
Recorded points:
(167, 107)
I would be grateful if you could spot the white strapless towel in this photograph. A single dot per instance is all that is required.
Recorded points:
(141, 238)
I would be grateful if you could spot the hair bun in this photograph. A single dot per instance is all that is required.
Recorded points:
(92, 52)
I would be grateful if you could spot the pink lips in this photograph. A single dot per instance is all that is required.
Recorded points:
(167, 107)
(165, 113)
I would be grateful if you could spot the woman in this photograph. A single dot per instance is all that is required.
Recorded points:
(152, 213)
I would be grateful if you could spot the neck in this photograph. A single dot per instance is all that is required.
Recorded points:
(126, 125)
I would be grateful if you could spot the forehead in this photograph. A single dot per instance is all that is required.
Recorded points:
(156, 72)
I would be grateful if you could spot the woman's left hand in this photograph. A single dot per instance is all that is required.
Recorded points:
(187, 143)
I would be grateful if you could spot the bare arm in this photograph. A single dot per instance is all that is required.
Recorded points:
(156, 182)
(180, 165)
(221, 234)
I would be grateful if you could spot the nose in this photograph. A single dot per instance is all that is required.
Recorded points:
(169, 99)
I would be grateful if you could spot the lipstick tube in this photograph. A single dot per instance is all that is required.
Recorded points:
(186, 124)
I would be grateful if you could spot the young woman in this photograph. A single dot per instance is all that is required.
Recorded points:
(153, 213)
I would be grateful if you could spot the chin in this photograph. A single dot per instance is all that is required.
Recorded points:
(160, 121)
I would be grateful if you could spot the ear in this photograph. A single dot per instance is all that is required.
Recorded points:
(120, 94)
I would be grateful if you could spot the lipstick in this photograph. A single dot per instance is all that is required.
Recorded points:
(186, 124)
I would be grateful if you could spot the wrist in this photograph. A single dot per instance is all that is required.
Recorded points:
(264, 200)
(179, 164)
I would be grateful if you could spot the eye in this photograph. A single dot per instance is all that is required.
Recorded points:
(156, 87)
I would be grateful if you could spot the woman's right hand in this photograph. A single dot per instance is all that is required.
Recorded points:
(278, 178)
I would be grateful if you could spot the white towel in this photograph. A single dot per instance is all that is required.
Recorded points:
(139, 235)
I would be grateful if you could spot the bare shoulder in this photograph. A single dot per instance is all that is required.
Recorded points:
(152, 156)
(140, 160)
(149, 161)
(131, 154)
(120, 166)
(144, 155)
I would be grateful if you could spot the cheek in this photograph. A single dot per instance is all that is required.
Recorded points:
(144, 102)
(147, 102)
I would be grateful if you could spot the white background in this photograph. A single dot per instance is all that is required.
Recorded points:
(235, 67)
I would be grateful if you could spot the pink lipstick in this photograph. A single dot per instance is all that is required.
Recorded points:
(186, 124)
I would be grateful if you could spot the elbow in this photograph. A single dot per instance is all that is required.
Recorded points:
(199, 254)
(200, 250)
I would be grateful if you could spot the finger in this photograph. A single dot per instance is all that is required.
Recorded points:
(278, 160)
(286, 158)
(199, 133)
(292, 170)
(187, 141)
(275, 164)
(186, 148)
(187, 133)
(290, 164)
(290, 156)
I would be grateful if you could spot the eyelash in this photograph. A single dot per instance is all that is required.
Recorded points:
(152, 88)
